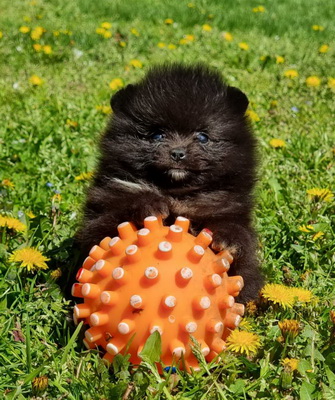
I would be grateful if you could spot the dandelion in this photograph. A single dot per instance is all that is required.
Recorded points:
(291, 73)
(30, 214)
(116, 83)
(106, 25)
(331, 83)
(30, 258)
(37, 32)
(313, 81)
(172, 46)
(104, 109)
(302, 295)
(161, 45)
(320, 194)
(107, 34)
(317, 235)
(324, 48)
(40, 383)
(190, 5)
(290, 364)
(273, 103)
(278, 294)
(227, 36)
(259, 9)
(318, 28)
(57, 273)
(37, 47)
(134, 32)
(56, 33)
(243, 342)
(84, 176)
(26, 18)
(8, 183)
(243, 46)
(277, 143)
(47, 49)
(245, 325)
(36, 80)
(12, 223)
(100, 31)
(136, 63)
(251, 307)
(72, 124)
(252, 115)
(56, 198)
(206, 28)
(306, 228)
(168, 21)
(280, 60)
(24, 29)
(289, 328)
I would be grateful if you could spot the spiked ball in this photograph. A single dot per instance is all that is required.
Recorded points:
(159, 278)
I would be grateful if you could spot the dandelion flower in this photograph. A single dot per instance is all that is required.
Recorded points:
(243, 46)
(8, 183)
(136, 63)
(324, 48)
(306, 228)
(278, 294)
(206, 28)
(313, 81)
(56, 198)
(289, 328)
(24, 29)
(318, 28)
(318, 235)
(30, 258)
(134, 32)
(277, 143)
(280, 60)
(320, 194)
(72, 124)
(100, 31)
(122, 43)
(252, 115)
(12, 223)
(302, 295)
(190, 5)
(172, 46)
(259, 9)
(243, 342)
(57, 273)
(56, 33)
(251, 307)
(36, 80)
(291, 73)
(116, 84)
(168, 21)
(290, 364)
(227, 36)
(106, 25)
(40, 383)
(331, 83)
(245, 325)
(37, 47)
(26, 18)
(84, 176)
(31, 214)
(107, 34)
(47, 49)
(37, 32)
(104, 109)
(161, 45)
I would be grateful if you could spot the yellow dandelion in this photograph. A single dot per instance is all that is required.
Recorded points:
(100, 31)
(8, 183)
(12, 223)
(280, 60)
(56, 33)
(107, 34)
(302, 295)
(30, 214)
(116, 83)
(243, 342)
(122, 43)
(278, 294)
(72, 124)
(251, 307)
(306, 228)
(26, 18)
(320, 194)
(134, 32)
(47, 49)
(24, 29)
(30, 258)
(172, 46)
(313, 81)
(37, 32)
(227, 36)
(168, 21)
(277, 143)
(243, 46)
(318, 28)
(57, 273)
(106, 25)
(291, 73)
(259, 9)
(161, 45)
(245, 325)
(104, 109)
(37, 47)
(189, 38)
(190, 5)
(273, 103)
(84, 176)
(289, 328)
(290, 364)
(318, 235)
(252, 115)
(206, 28)
(56, 198)
(324, 48)
(40, 383)
(136, 63)
(331, 83)
(36, 80)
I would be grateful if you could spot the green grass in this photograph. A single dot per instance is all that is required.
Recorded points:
(41, 155)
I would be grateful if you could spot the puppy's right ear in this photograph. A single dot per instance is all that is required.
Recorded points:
(120, 99)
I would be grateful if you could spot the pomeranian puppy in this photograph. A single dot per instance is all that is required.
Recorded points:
(178, 143)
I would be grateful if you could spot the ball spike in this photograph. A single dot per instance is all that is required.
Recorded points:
(97, 252)
(232, 320)
(152, 223)
(93, 334)
(104, 244)
(217, 345)
(126, 326)
(144, 237)
(90, 290)
(84, 275)
(116, 246)
(109, 298)
(82, 310)
(196, 253)
(76, 290)
(204, 239)
(183, 222)
(99, 318)
(164, 251)
(235, 284)
(104, 268)
(126, 230)
(115, 345)
(133, 253)
(88, 262)
(175, 233)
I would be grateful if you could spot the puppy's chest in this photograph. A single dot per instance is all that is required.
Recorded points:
(187, 208)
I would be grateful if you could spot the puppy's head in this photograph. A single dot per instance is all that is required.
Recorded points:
(180, 126)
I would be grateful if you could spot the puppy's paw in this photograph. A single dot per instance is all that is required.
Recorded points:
(220, 245)
(157, 207)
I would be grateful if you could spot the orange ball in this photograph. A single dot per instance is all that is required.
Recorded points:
(159, 278)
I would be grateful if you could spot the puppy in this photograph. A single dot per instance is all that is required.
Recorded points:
(178, 143)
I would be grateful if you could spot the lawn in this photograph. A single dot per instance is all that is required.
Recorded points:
(61, 61)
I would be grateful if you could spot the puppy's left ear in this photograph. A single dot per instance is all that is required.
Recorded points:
(237, 100)
(121, 98)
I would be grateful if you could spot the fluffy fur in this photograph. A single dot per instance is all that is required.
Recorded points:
(178, 143)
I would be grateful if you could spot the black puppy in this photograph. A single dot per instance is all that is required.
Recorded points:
(178, 143)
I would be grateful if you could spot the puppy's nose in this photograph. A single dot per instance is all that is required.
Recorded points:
(178, 154)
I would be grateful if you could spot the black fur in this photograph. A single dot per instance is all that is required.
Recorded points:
(212, 185)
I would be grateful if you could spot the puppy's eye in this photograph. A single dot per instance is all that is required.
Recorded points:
(157, 136)
(202, 137)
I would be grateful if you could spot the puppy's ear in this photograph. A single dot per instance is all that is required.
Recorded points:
(120, 99)
(237, 100)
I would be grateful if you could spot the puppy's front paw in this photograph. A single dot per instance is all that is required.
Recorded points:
(157, 207)
(220, 245)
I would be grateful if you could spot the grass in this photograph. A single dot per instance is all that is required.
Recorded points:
(42, 153)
